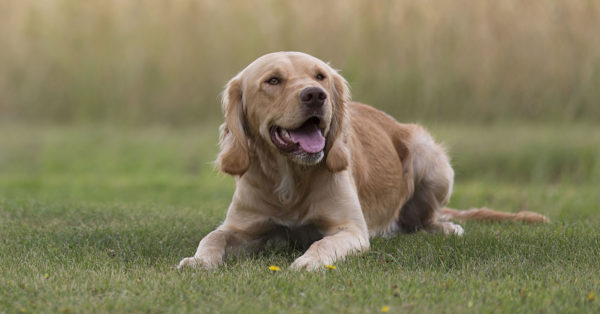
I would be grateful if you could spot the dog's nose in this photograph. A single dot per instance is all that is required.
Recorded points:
(313, 96)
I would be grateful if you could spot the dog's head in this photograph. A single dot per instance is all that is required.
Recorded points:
(292, 102)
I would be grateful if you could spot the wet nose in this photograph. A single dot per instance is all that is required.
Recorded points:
(313, 97)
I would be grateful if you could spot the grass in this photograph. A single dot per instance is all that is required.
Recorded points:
(95, 218)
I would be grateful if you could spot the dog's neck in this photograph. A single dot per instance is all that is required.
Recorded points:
(288, 181)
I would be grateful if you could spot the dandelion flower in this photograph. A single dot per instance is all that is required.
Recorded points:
(591, 296)
(385, 308)
(330, 266)
(274, 268)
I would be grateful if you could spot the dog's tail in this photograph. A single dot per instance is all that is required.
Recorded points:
(486, 214)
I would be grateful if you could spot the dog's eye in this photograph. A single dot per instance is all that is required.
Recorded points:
(273, 81)
(320, 77)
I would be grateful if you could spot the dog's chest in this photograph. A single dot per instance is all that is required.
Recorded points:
(294, 217)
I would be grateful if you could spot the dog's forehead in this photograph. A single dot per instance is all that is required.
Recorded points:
(282, 61)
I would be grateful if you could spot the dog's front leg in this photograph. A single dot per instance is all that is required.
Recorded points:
(211, 250)
(341, 221)
(238, 232)
(331, 248)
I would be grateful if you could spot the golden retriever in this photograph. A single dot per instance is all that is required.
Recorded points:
(317, 169)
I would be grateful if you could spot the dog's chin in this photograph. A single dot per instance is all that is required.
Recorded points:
(305, 158)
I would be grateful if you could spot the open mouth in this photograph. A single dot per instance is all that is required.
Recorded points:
(308, 138)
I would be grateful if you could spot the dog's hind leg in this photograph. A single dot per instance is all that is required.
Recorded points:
(421, 213)
(433, 180)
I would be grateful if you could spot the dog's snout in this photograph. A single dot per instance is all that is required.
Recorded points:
(313, 96)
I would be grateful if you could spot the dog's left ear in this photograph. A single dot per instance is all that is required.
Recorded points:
(338, 155)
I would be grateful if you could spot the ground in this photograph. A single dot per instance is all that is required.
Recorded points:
(96, 218)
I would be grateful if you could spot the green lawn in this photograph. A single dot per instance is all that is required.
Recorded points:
(95, 218)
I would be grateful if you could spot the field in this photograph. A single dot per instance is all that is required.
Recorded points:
(108, 128)
(95, 219)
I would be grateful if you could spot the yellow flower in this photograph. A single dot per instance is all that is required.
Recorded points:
(591, 296)
(329, 266)
(385, 308)
(46, 276)
(274, 268)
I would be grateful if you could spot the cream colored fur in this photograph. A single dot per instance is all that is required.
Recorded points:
(375, 176)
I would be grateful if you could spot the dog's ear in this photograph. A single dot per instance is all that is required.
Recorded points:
(233, 157)
(338, 155)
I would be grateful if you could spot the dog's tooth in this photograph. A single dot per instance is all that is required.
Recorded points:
(286, 134)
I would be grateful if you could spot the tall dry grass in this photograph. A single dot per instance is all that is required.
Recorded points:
(166, 61)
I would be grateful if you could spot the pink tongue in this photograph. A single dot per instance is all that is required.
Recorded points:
(309, 137)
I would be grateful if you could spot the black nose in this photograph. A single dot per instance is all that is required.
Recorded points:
(313, 96)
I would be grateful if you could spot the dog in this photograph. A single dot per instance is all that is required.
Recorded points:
(315, 168)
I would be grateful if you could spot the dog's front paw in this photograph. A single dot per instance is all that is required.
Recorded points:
(198, 262)
(309, 263)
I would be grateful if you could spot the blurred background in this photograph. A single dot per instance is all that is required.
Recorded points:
(125, 93)
(144, 61)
